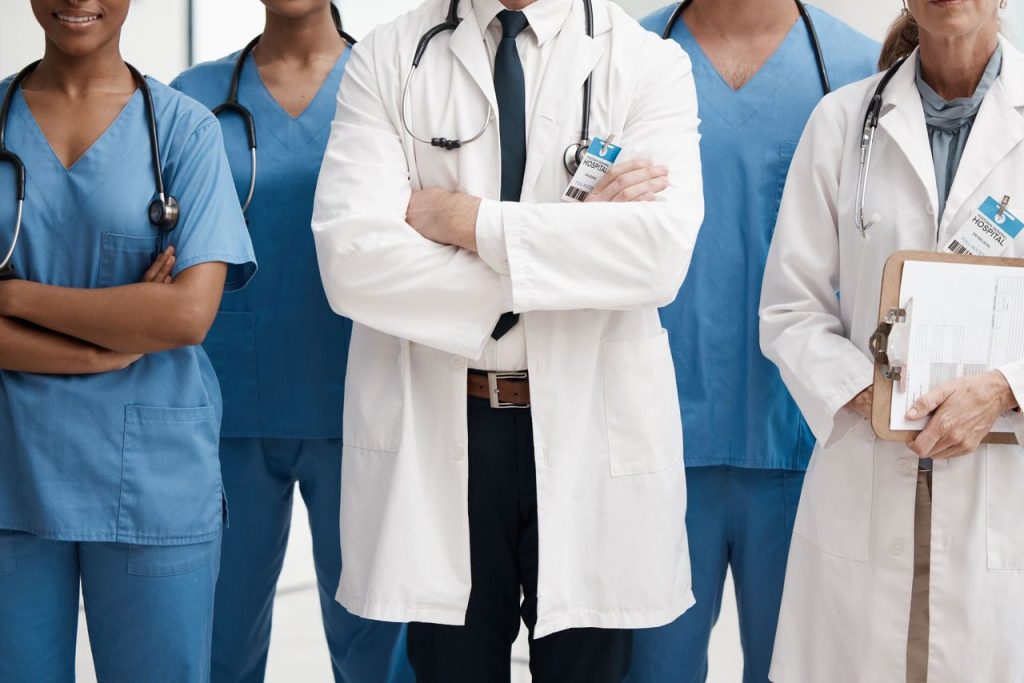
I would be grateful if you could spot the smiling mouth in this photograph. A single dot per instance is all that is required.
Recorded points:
(76, 19)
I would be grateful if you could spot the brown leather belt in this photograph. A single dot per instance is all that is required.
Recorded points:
(502, 389)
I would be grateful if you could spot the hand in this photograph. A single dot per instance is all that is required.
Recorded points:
(861, 404)
(964, 412)
(444, 217)
(104, 360)
(160, 270)
(632, 181)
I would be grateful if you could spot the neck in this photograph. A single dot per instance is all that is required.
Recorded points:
(300, 39)
(102, 70)
(741, 17)
(953, 65)
(517, 5)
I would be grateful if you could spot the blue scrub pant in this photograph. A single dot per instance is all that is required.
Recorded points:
(259, 478)
(149, 609)
(739, 518)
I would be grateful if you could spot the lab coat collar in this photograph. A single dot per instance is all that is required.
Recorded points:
(469, 50)
(997, 130)
(902, 119)
(575, 54)
(546, 17)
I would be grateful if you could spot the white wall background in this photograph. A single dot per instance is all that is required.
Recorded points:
(156, 36)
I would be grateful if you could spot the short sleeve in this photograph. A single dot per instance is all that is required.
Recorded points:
(211, 226)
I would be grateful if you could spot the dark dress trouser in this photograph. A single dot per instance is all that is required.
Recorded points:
(503, 555)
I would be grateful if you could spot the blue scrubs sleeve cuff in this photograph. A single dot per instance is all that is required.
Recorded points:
(240, 268)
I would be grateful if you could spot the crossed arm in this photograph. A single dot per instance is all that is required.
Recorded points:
(62, 330)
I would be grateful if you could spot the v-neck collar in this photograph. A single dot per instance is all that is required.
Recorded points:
(87, 162)
(294, 132)
(737, 106)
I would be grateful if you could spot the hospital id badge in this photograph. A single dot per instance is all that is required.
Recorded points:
(598, 159)
(989, 232)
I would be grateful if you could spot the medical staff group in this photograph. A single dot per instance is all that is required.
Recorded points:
(479, 388)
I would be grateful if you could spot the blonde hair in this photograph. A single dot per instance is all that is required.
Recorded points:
(902, 39)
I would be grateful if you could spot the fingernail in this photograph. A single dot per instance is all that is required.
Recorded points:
(912, 414)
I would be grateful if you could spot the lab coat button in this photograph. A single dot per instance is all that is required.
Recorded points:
(459, 452)
(458, 362)
(905, 466)
(929, 210)
(896, 547)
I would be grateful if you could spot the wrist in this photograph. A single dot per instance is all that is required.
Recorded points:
(9, 296)
(468, 209)
(1007, 399)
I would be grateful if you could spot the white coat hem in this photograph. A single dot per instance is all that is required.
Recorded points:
(402, 612)
(618, 619)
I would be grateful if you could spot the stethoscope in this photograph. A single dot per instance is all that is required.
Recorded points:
(867, 143)
(819, 56)
(573, 153)
(163, 211)
(232, 104)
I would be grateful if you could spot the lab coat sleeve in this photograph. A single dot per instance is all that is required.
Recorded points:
(1014, 374)
(376, 269)
(618, 255)
(801, 328)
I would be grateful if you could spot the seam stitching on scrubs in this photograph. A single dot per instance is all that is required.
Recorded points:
(120, 490)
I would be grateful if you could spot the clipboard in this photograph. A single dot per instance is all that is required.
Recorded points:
(890, 316)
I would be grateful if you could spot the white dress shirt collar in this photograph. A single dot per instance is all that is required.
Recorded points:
(546, 17)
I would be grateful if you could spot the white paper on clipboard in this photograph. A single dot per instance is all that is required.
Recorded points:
(968, 319)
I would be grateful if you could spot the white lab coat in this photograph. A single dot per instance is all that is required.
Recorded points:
(845, 608)
(588, 279)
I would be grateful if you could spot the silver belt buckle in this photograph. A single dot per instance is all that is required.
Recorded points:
(492, 387)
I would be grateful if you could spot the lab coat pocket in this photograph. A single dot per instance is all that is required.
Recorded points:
(373, 415)
(645, 429)
(835, 506)
(124, 259)
(7, 563)
(170, 475)
(231, 346)
(170, 560)
(1005, 474)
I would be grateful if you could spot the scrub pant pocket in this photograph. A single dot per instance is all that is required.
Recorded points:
(150, 610)
(152, 627)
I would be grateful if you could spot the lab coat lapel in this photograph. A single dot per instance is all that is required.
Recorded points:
(573, 58)
(467, 45)
(998, 129)
(904, 123)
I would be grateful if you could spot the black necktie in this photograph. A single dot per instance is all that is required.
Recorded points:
(510, 90)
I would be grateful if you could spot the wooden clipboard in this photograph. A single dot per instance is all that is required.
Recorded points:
(892, 279)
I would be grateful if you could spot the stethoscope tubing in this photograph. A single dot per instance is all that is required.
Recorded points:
(232, 104)
(10, 157)
(573, 154)
(812, 32)
(867, 144)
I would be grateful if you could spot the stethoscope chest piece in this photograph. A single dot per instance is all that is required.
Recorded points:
(164, 213)
(574, 156)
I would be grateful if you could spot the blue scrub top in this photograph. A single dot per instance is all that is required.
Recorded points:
(127, 456)
(736, 410)
(279, 350)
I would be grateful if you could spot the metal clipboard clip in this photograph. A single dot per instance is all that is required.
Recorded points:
(890, 343)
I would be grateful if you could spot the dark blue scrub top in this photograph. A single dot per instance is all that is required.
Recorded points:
(279, 350)
(736, 410)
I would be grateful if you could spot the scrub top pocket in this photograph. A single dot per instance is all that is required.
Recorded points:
(170, 484)
(124, 259)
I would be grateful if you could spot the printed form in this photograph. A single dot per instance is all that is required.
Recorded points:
(965, 320)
